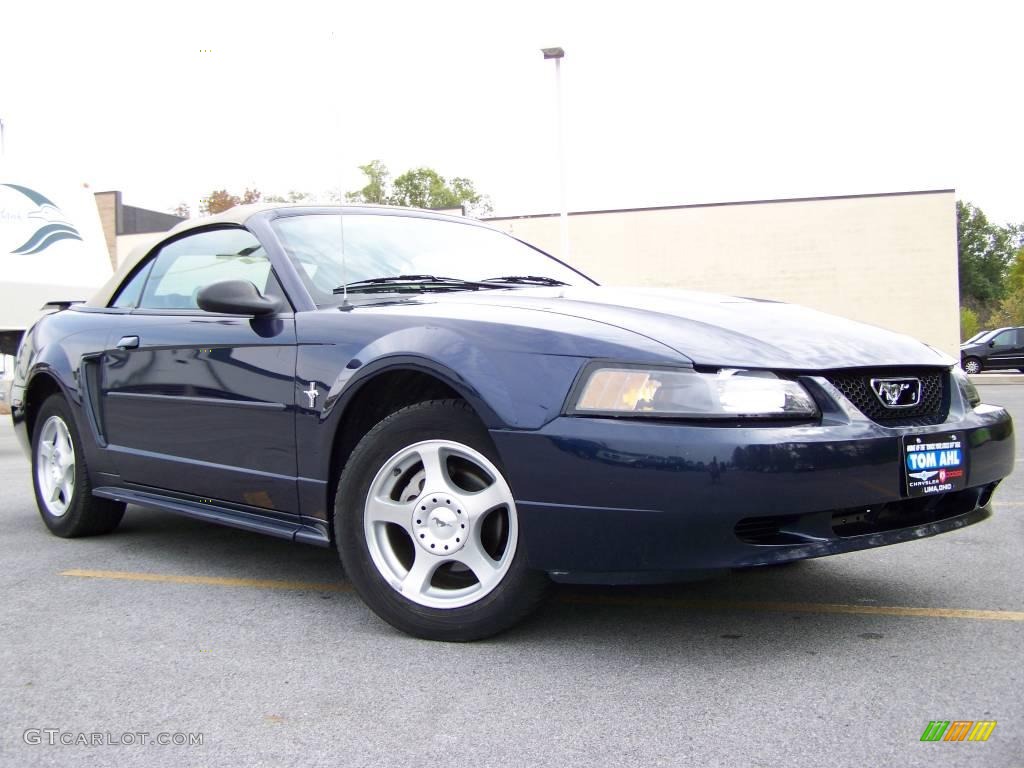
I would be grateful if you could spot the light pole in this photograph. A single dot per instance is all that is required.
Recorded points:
(557, 54)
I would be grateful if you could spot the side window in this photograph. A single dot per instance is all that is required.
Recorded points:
(182, 268)
(131, 290)
(1005, 339)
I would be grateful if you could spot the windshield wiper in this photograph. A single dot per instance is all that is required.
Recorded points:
(524, 280)
(416, 282)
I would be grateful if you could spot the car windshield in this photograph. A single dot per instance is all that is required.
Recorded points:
(386, 246)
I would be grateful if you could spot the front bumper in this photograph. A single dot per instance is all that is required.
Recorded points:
(627, 500)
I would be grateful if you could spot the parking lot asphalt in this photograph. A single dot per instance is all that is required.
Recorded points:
(170, 625)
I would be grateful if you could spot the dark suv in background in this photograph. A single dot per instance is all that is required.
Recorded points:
(993, 350)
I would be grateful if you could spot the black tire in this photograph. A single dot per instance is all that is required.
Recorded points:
(520, 590)
(86, 515)
(969, 360)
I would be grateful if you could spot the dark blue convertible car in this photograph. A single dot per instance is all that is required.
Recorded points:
(466, 418)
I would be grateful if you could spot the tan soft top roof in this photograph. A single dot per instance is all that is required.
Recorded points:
(238, 215)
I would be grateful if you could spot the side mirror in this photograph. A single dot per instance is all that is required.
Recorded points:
(235, 297)
(991, 344)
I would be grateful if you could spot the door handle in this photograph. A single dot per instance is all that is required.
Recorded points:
(128, 342)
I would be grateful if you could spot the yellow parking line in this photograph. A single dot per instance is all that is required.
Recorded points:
(215, 581)
(775, 607)
(594, 599)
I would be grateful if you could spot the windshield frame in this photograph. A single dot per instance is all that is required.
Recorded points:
(267, 226)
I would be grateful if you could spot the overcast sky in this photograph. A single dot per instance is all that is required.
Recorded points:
(666, 103)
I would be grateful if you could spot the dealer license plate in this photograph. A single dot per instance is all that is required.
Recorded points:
(934, 463)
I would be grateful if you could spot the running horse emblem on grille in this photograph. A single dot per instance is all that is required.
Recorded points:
(897, 393)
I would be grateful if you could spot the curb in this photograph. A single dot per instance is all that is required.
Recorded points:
(996, 378)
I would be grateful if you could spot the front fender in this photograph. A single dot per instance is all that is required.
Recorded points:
(509, 389)
(488, 380)
(515, 368)
(352, 381)
(485, 379)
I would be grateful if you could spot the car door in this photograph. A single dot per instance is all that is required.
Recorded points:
(201, 403)
(1018, 348)
(1004, 350)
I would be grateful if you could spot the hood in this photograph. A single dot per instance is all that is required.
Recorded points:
(977, 347)
(717, 330)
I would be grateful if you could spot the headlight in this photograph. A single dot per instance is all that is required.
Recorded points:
(967, 388)
(687, 394)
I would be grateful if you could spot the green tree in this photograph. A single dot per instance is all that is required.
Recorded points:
(419, 188)
(376, 189)
(969, 324)
(1015, 274)
(423, 188)
(984, 254)
(1010, 311)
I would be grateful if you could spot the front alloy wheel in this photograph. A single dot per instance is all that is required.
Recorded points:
(427, 528)
(972, 365)
(440, 524)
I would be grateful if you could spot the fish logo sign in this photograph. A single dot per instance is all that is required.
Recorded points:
(53, 224)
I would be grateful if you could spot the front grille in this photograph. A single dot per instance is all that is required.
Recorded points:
(933, 408)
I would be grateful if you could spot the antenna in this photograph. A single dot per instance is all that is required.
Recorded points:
(344, 265)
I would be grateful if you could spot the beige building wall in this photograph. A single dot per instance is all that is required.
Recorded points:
(106, 205)
(125, 226)
(889, 260)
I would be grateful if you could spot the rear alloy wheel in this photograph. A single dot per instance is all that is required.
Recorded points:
(972, 365)
(428, 529)
(61, 478)
(55, 466)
